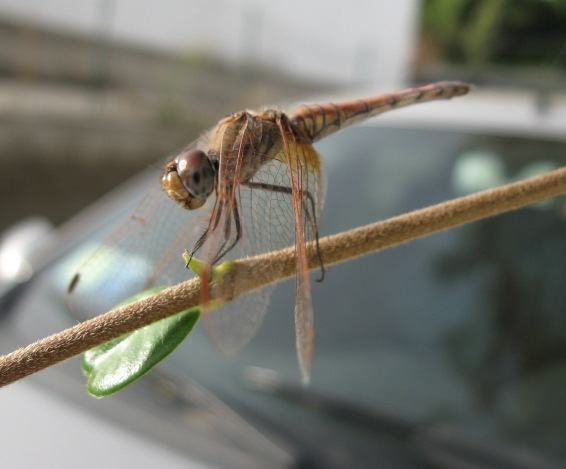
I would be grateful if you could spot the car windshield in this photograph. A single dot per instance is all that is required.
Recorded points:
(463, 329)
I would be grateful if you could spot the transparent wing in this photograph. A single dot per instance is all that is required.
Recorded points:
(145, 251)
(308, 184)
(134, 258)
(262, 210)
(256, 218)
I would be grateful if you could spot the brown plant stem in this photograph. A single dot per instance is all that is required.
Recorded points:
(251, 273)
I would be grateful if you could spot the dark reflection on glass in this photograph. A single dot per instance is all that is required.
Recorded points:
(512, 348)
(490, 297)
(465, 328)
(522, 254)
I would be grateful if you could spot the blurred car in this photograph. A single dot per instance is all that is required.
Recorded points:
(446, 352)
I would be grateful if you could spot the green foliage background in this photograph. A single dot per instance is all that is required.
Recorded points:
(483, 32)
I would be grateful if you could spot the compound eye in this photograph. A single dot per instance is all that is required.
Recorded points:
(196, 173)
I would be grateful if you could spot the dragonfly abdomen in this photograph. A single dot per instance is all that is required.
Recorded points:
(319, 120)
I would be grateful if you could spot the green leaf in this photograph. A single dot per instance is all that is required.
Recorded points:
(117, 363)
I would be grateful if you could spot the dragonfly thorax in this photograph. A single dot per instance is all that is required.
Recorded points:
(189, 179)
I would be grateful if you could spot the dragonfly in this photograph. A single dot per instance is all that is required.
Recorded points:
(251, 185)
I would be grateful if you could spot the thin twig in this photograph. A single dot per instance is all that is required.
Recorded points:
(253, 273)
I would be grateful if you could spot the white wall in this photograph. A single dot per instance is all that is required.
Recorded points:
(361, 40)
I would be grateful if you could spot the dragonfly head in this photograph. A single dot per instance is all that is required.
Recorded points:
(189, 179)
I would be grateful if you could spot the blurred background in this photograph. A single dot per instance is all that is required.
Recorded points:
(91, 91)
(471, 331)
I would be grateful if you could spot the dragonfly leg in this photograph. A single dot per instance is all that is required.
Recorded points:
(318, 255)
(287, 190)
(227, 232)
(314, 223)
(211, 227)
(197, 245)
